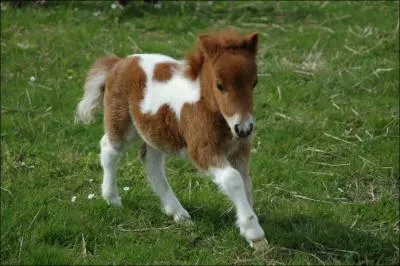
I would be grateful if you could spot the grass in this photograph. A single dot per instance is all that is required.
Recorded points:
(325, 160)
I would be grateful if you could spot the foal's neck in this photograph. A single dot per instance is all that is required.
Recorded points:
(207, 80)
(199, 67)
(207, 102)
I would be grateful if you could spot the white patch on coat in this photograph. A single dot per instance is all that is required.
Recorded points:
(174, 92)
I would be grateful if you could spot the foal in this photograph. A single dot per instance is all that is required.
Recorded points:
(200, 107)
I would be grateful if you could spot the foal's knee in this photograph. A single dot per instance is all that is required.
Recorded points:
(110, 150)
(228, 179)
(111, 145)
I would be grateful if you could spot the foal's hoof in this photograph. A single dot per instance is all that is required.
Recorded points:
(114, 201)
(259, 245)
(188, 223)
(182, 217)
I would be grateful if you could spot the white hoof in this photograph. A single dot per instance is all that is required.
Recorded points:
(259, 245)
(251, 229)
(176, 211)
(113, 201)
(182, 216)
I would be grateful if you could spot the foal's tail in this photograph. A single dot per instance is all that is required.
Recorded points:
(94, 89)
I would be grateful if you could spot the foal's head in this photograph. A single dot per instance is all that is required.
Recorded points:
(234, 76)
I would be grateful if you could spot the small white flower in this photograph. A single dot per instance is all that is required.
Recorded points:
(113, 6)
(32, 79)
(126, 188)
(73, 199)
(91, 180)
(90, 196)
(96, 14)
(24, 46)
(70, 77)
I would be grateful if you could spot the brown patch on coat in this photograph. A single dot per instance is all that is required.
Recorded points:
(207, 136)
(161, 129)
(117, 120)
(164, 71)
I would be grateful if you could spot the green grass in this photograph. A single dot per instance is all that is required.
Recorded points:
(325, 164)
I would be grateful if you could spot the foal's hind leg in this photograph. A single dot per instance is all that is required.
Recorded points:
(111, 146)
(154, 167)
(119, 131)
(109, 155)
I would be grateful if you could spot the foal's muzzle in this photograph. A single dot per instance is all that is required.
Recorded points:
(241, 126)
(243, 131)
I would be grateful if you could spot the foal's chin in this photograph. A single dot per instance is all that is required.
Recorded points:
(242, 139)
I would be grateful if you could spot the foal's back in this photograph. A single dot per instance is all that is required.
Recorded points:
(145, 93)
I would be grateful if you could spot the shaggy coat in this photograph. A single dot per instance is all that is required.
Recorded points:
(200, 107)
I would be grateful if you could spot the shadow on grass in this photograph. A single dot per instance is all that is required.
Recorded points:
(328, 239)
(320, 236)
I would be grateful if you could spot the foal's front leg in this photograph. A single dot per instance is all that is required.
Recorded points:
(231, 183)
(154, 167)
(205, 155)
(240, 160)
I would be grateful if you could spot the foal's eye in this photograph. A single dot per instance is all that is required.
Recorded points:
(219, 86)
(255, 83)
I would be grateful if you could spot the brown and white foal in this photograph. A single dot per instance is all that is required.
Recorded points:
(200, 107)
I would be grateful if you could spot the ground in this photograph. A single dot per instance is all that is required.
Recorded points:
(325, 159)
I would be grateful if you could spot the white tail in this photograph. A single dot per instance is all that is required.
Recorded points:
(94, 89)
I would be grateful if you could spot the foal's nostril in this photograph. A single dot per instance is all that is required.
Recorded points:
(251, 127)
(237, 129)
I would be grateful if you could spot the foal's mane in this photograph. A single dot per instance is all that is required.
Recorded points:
(219, 40)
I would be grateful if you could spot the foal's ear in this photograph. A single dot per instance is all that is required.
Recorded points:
(208, 45)
(251, 42)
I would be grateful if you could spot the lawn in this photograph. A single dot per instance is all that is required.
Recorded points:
(325, 161)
